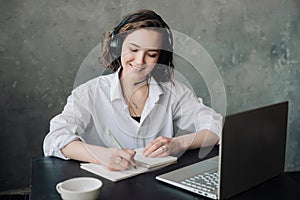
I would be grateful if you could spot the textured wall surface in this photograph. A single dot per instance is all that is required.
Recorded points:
(255, 45)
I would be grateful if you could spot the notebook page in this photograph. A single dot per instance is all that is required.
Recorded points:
(112, 175)
(153, 162)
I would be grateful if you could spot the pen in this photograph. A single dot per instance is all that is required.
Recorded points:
(117, 143)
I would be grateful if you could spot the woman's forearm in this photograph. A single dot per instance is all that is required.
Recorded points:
(78, 150)
(199, 139)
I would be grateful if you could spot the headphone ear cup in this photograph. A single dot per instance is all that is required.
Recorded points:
(114, 47)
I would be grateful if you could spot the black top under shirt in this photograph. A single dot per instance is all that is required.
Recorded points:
(138, 119)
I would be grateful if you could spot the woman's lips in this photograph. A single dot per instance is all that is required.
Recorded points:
(137, 68)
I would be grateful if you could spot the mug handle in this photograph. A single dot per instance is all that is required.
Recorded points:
(58, 188)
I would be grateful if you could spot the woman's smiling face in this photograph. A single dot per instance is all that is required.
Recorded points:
(140, 53)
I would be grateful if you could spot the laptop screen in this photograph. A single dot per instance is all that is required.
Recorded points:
(252, 148)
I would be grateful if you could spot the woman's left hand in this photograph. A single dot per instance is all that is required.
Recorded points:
(164, 146)
(161, 147)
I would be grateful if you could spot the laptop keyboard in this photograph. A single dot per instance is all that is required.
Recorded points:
(206, 182)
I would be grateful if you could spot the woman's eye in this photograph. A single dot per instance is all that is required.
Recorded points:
(133, 50)
(152, 55)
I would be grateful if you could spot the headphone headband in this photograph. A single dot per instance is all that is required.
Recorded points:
(127, 20)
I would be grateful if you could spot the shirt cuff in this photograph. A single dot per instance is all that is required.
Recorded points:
(66, 140)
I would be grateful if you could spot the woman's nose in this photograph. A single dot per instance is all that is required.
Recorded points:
(139, 59)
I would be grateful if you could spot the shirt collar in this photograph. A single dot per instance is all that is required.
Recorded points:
(155, 90)
(115, 89)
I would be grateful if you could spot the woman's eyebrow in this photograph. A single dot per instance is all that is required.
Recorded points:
(136, 45)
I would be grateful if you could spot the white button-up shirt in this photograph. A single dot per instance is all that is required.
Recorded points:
(98, 106)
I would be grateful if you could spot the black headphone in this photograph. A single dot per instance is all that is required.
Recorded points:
(116, 40)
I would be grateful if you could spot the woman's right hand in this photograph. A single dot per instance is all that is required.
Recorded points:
(113, 159)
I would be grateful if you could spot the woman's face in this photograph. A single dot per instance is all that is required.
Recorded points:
(140, 53)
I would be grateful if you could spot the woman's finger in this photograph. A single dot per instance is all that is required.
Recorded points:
(160, 152)
(131, 158)
(155, 145)
(122, 163)
(127, 156)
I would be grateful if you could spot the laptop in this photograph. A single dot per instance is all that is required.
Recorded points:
(252, 151)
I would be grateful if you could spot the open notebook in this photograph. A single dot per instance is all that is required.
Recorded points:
(144, 164)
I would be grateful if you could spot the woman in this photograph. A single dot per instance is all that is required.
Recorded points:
(140, 104)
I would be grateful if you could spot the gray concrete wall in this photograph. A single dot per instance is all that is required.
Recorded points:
(255, 45)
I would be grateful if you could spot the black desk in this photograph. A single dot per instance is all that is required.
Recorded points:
(46, 172)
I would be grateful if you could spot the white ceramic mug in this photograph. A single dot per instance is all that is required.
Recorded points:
(82, 188)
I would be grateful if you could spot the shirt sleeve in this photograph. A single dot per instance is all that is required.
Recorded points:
(67, 126)
(191, 115)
